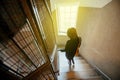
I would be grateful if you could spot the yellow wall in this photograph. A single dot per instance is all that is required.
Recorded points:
(100, 32)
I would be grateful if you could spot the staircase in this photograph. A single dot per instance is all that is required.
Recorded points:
(81, 70)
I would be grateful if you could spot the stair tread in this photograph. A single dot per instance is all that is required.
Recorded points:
(81, 70)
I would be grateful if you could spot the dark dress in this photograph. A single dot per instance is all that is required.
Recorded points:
(71, 47)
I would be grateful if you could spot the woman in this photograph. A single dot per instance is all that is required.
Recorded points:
(72, 44)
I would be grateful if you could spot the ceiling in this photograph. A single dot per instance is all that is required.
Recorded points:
(83, 3)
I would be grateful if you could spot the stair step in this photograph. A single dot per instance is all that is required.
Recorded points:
(81, 70)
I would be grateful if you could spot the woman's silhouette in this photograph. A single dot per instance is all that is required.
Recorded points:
(72, 44)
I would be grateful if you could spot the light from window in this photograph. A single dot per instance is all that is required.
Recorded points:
(66, 18)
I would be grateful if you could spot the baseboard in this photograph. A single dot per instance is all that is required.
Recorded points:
(53, 53)
(102, 74)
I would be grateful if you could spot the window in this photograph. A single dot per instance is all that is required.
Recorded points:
(66, 18)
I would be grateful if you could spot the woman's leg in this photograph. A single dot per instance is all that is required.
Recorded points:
(73, 61)
(69, 62)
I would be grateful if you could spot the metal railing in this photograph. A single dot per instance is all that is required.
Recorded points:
(22, 54)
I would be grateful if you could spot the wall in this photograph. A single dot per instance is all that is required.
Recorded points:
(47, 26)
(100, 32)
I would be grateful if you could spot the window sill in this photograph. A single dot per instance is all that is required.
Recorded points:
(62, 34)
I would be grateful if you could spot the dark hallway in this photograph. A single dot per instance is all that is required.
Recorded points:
(32, 32)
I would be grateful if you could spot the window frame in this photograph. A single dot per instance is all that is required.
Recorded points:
(60, 32)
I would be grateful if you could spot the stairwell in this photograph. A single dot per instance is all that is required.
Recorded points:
(81, 70)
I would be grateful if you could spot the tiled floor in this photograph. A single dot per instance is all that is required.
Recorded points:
(81, 70)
